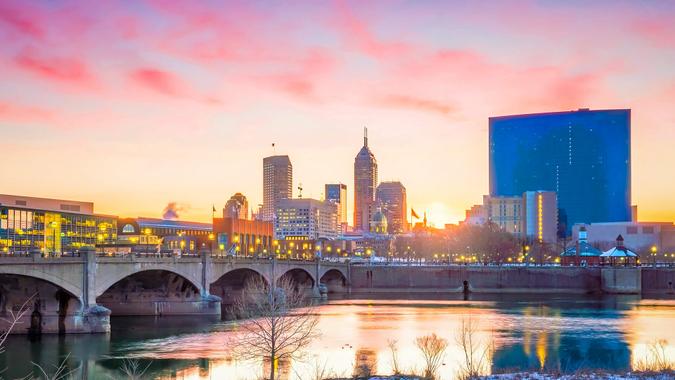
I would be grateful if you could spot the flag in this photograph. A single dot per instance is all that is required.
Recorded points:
(414, 214)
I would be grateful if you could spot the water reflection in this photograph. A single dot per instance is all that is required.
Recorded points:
(528, 332)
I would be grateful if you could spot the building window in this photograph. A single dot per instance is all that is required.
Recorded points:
(648, 230)
(631, 230)
(128, 229)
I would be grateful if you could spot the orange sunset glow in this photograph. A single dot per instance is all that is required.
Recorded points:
(136, 105)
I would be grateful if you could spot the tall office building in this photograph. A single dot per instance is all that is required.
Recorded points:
(236, 207)
(391, 197)
(584, 156)
(365, 182)
(277, 183)
(337, 193)
(305, 219)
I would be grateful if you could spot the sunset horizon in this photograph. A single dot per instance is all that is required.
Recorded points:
(134, 106)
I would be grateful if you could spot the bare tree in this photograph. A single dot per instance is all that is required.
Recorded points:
(433, 349)
(477, 355)
(279, 322)
(13, 320)
(393, 349)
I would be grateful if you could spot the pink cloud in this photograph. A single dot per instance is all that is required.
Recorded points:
(65, 70)
(159, 81)
(416, 103)
(20, 113)
(660, 31)
(21, 18)
(358, 35)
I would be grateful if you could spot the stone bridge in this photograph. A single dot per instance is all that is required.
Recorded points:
(78, 294)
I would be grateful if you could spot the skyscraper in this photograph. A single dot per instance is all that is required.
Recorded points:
(337, 193)
(277, 183)
(391, 197)
(365, 181)
(584, 156)
(236, 207)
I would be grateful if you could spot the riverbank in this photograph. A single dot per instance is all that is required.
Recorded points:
(587, 376)
(542, 376)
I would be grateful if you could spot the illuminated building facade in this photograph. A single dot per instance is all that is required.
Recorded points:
(584, 156)
(52, 226)
(173, 235)
(305, 219)
(365, 182)
(242, 237)
(337, 193)
(540, 216)
(533, 215)
(277, 183)
(392, 198)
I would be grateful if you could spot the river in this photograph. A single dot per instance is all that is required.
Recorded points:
(526, 332)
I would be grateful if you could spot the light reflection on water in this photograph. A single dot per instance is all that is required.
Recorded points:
(528, 333)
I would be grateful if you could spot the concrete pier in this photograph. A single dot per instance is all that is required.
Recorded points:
(621, 280)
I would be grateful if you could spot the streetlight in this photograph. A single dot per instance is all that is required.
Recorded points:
(654, 250)
(212, 237)
(53, 225)
(147, 232)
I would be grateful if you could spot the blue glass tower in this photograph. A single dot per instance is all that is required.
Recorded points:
(584, 156)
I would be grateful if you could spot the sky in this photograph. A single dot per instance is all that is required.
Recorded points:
(136, 104)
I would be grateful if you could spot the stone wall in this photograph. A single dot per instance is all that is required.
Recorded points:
(474, 279)
(658, 280)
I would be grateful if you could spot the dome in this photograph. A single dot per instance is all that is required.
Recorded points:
(378, 222)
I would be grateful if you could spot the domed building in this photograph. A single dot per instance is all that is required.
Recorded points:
(378, 224)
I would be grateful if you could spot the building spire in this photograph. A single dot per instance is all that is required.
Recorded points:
(365, 137)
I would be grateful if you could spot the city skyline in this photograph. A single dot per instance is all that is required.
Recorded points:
(144, 121)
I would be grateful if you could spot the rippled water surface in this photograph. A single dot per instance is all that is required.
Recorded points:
(528, 333)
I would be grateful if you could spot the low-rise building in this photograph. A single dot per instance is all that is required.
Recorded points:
(243, 237)
(643, 237)
(142, 234)
(532, 215)
(581, 253)
(52, 226)
(305, 219)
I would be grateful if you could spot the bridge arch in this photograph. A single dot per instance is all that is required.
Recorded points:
(152, 292)
(68, 285)
(51, 307)
(334, 280)
(105, 280)
(301, 277)
(229, 287)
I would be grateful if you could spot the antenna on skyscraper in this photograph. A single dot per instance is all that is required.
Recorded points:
(300, 190)
(365, 136)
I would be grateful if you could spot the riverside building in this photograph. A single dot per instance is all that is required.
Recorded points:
(584, 156)
(305, 219)
(52, 226)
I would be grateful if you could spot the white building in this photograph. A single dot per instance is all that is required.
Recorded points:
(639, 236)
(533, 215)
(305, 219)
